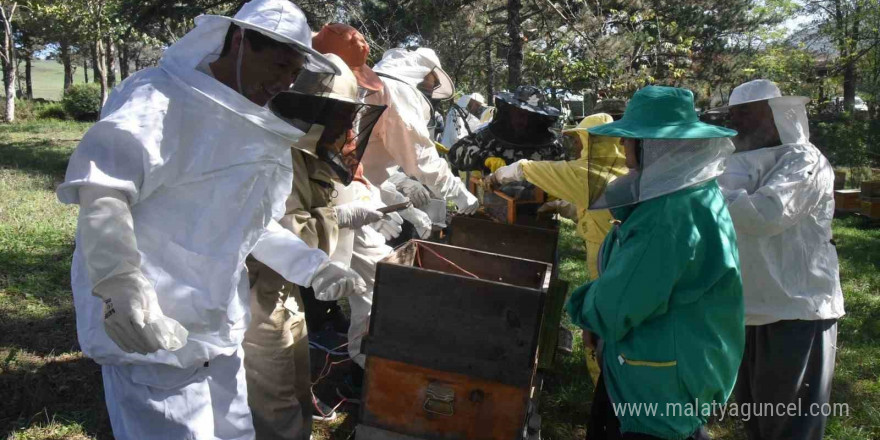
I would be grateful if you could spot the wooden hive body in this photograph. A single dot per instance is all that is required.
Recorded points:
(451, 356)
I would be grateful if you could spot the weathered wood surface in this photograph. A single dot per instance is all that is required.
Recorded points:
(396, 397)
(433, 317)
(514, 240)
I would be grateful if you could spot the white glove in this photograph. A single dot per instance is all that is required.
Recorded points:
(389, 226)
(560, 207)
(132, 316)
(507, 174)
(332, 281)
(419, 219)
(356, 215)
(466, 202)
(415, 191)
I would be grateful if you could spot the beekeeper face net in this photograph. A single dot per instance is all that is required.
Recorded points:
(662, 166)
(265, 67)
(337, 126)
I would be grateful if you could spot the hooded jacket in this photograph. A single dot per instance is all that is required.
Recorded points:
(401, 135)
(781, 200)
(204, 193)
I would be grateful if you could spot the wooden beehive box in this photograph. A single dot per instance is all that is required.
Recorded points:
(847, 200)
(504, 208)
(531, 243)
(870, 189)
(451, 356)
(871, 208)
(527, 242)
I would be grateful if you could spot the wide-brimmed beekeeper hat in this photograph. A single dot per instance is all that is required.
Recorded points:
(657, 112)
(759, 90)
(281, 21)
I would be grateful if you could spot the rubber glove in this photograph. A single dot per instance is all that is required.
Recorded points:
(414, 191)
(419, 219)
(504, 175)
(493, 163)
(560, 207)
(132, 316)
(332, 281)
(466, 202)
(389, 226)
(356, 215)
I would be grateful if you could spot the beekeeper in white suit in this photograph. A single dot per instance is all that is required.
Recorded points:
(177, 183)
(410, 78)
(463, 118)
(779, 190)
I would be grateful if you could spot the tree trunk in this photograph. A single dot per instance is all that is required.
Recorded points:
(490, 74)
(93, 54)
(110, 62)
(123, 60)
(101, 69)
(28, 80)
(10, 80)
(85, 69)
(68, 64)
(515, 54)
(849, 87)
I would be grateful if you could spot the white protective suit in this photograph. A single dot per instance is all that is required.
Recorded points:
(455, 125)
(781, 201)
(202, 192)
(401, 136)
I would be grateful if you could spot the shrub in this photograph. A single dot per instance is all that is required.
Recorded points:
(83, 101)
(51, 110)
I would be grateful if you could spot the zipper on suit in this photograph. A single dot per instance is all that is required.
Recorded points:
(624, 360)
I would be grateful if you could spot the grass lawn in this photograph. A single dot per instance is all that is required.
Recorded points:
(49, 391)
(48, 78)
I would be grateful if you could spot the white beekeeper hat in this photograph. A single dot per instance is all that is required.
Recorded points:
(759, 90)
(282, 21)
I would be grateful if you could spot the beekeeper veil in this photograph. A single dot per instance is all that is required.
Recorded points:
(280, 20)
(666, 166)
(674, 149)
(327, 109)
(412, 66)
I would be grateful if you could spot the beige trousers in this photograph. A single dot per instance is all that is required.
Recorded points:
(276, 358)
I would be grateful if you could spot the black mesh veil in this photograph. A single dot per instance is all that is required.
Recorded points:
(340, 124)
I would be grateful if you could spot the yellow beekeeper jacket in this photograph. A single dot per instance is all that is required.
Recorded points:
(581, 181)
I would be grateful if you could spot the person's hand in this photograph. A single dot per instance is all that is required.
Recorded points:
(133, 318)
(415, 192)
(389, 226)
(356, 215)
(466, 202)
(502, 176)
(332, 281)
(560, 207)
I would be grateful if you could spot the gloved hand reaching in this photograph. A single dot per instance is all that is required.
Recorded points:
(389, 226)
(414, 190)
(332, 281)
(132, 316)
(356, 215)
(419, 219)
(504, 175)
(560, 207)
(493, 163)
(466, 202)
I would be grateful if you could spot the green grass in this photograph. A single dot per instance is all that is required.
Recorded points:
(48, 78)
(49, 391)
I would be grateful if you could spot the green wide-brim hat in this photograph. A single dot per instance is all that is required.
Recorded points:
(657, 112)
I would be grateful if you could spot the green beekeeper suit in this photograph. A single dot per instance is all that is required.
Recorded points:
(668, 304)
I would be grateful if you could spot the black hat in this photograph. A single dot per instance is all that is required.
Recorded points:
(529, 98)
